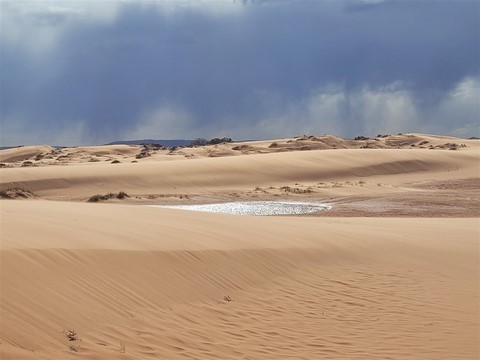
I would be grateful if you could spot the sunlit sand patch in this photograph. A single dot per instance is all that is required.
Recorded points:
(260, 208)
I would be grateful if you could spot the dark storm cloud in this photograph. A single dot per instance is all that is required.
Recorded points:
(230, 69)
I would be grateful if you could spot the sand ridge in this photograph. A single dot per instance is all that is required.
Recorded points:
(88, 155)
(371, 182)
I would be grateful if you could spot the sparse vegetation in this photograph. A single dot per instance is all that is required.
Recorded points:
(15, 193)
(361, 138)
(96, 198)
(296, 190)
(72, 336)
(153, 146)
(142, 154)
(122, 195)
(116, 162)
(214, 141)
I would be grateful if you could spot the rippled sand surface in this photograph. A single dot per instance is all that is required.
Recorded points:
(256, 207)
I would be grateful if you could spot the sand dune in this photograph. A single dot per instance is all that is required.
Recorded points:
(20, 154)
(301, 288)
(238, 173)
(139, 282)
(48, 156)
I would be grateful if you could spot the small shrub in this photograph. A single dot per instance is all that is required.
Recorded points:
(122, 195)
(96, 198)
(14, 193)
(273, 145)
(143, 154)
(214, 141)
(199, 142)
(116, 162)
(71, 335)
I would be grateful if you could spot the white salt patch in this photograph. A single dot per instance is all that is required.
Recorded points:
(255, 207)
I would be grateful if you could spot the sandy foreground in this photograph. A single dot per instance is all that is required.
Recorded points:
(391, 272)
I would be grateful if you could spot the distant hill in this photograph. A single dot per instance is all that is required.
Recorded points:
(167, 143)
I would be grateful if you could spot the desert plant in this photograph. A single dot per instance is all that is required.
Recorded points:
(216, 141)
(96, 198)
(122, 195)
(71, 335)
(361, 138)
(13, 193)
(143, 154)
(199, 142)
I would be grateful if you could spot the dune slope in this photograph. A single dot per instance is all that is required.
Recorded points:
(237, 173)
(135, 282)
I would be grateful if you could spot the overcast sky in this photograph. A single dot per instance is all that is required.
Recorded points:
(91, 72)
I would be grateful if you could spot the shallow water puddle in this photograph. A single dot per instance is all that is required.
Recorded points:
(260, 208)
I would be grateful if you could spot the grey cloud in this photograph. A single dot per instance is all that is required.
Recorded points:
(242, 69)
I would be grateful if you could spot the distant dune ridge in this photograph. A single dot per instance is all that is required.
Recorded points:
(114, 279)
